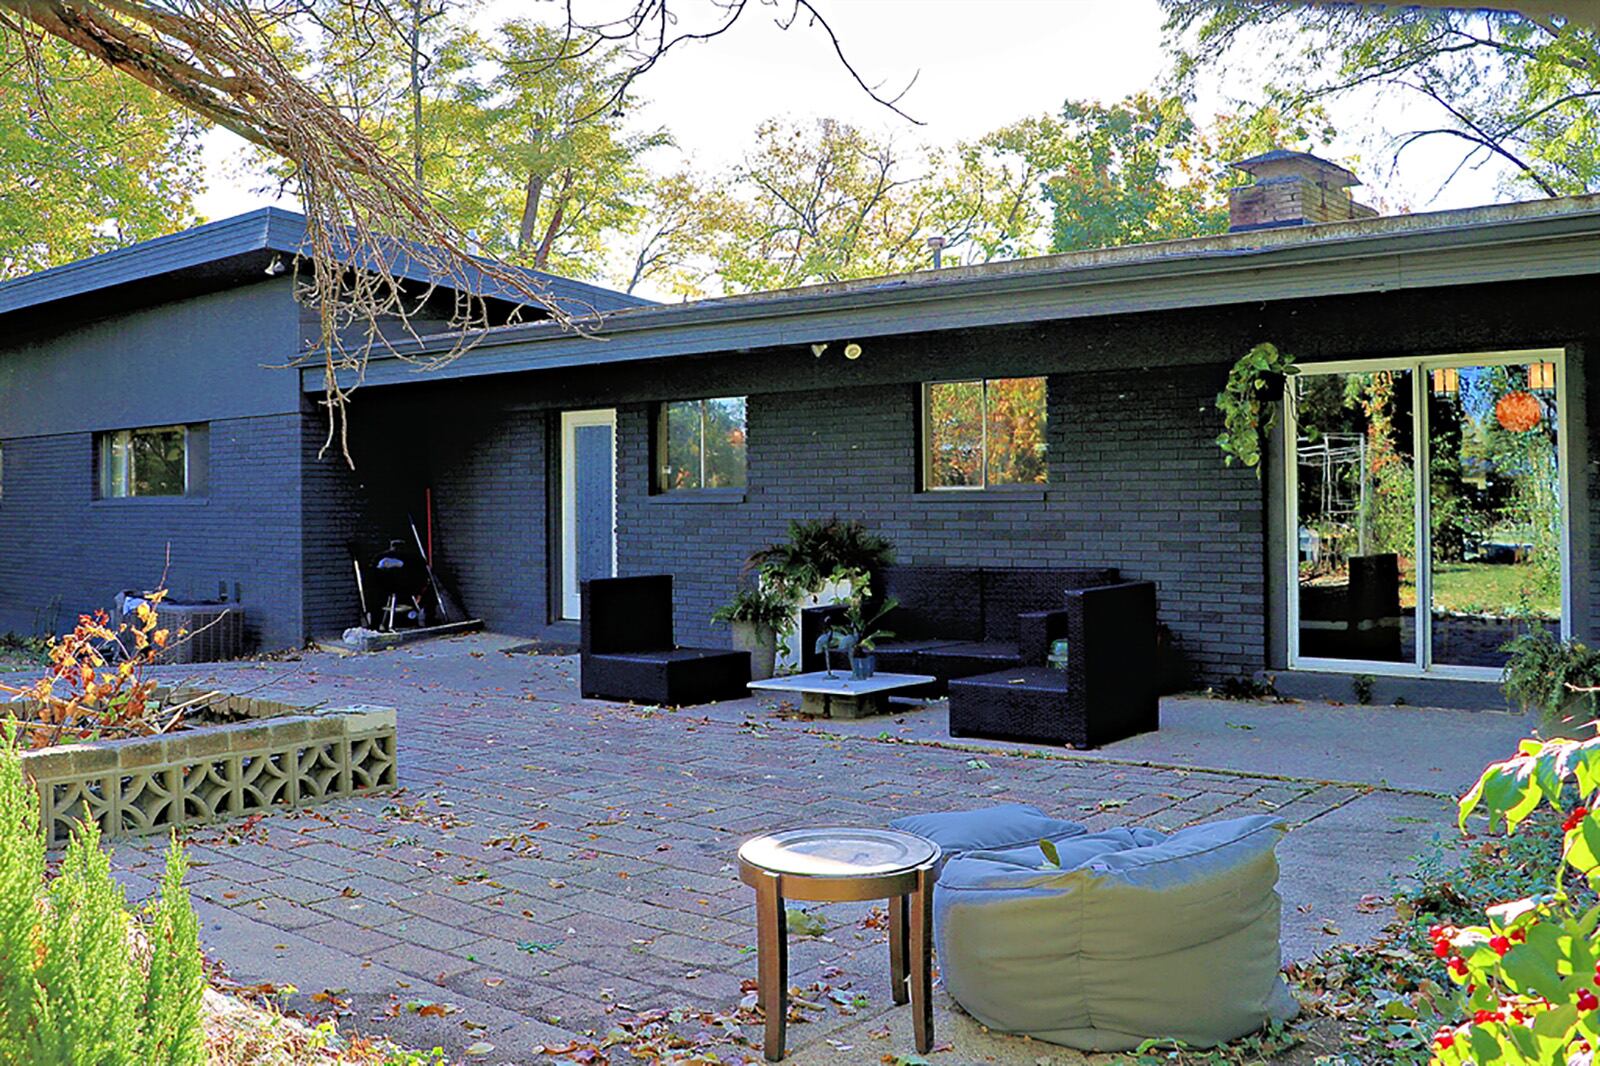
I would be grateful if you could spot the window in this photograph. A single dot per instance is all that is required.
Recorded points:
(978, 434)
(700, 444)
(158, 461)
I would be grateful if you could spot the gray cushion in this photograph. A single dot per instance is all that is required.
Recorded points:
(1139, 936)
(1010, 825)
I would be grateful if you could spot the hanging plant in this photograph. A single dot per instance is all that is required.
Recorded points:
(1256, 379)
(1518, 411)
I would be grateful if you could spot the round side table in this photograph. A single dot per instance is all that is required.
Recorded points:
(841, 865)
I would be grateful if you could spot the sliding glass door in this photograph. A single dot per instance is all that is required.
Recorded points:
(1427, 512)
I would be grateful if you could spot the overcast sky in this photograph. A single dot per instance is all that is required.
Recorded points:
(979, 64)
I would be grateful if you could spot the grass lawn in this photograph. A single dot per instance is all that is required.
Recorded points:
(1494, 588)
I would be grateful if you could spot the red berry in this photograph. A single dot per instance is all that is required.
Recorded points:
(1574, 819)
(1441, 949)
(1435, 932)
(1458, 966)
(1587, 1000)
(1499, 945)
(1519, 936)
(1444, 1038)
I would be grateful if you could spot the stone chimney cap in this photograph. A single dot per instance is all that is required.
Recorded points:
(1281, 162)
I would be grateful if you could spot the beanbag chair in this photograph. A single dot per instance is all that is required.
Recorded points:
(1009, 825)
(1138, 935)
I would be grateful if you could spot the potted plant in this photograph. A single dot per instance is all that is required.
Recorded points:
(1257, 378)
(1559, 679)
(823, 562)
(859, 636)
(757, 618)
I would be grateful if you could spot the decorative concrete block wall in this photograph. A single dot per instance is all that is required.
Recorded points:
(213, 773)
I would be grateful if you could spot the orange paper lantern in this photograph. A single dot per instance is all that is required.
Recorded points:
(1518, 411)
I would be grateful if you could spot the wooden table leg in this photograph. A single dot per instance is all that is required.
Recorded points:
(921, 944)
(772, 949)
(899, 911)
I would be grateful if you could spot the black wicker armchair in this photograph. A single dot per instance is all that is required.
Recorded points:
(1107, 691)
(627, 651)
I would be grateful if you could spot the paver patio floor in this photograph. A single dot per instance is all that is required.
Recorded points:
(552, 864)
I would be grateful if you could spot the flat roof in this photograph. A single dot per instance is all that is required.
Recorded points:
(228, 250)
(1541, 238)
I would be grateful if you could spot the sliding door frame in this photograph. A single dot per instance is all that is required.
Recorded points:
(1420, 367)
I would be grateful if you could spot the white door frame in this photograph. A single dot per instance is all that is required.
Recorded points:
(571, 601)
(1422, 664)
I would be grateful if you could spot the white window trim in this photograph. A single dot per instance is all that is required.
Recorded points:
(1421, 381)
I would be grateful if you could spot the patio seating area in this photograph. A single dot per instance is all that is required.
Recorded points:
(552, 866)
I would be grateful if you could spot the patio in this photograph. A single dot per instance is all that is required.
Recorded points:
(553, 864)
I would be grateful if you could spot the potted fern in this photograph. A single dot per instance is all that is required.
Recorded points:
(1559, 679)
(822, 562)
(757, 618)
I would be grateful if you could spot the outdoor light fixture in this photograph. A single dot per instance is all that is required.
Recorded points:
(275, 267)
(852, 351)
(936, 245)
(818, 349)
(1446, 382)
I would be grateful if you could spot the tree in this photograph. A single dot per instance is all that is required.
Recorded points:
(1523, 89)
(89, 161)
(547, 159)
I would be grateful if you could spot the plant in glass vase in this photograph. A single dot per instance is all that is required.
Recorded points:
(858, 636)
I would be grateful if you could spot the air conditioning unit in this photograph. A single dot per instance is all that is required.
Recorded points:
(211, 630)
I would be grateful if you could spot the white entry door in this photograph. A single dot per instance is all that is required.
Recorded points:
(588, 501)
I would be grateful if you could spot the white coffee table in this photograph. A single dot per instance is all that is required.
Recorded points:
(840, 695)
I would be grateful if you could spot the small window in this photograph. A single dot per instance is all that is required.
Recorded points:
(158, 461)
(700, 444)
(978, 434)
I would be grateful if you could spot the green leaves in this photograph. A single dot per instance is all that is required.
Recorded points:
(72, 988)
(1052, 857)
(1241, 399)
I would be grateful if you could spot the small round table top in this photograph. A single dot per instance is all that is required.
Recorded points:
(838, 852)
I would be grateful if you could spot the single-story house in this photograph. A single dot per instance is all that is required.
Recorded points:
(1433, 487)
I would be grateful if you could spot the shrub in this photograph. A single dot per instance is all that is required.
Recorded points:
(83, 980)
(1531, 974)
(820, 551)
(1554, 677)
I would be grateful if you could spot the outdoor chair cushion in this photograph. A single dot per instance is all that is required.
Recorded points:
(1009, 825)
(1137, 936)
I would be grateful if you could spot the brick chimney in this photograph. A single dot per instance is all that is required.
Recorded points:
(1292, 189)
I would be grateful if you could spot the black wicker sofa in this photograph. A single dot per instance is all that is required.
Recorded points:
(958, 621)
(626, 650)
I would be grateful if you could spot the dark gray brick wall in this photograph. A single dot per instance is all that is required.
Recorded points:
(1135, 483)
(490, 503)
(63, 553)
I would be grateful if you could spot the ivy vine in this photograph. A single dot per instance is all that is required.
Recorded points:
(1255, 381)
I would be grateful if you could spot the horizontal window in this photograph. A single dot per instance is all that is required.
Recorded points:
(155, 461)
(700, 444)
(989, 432)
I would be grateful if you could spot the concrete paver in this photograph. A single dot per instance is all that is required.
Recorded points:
(551, 863)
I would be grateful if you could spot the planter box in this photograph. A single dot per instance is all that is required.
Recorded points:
(209, 774)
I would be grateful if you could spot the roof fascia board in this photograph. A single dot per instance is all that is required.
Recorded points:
(250, 232)
(1421, 260)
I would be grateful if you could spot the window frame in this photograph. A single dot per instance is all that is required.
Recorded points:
(660, 448)
(194, 482)
(925, 444)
